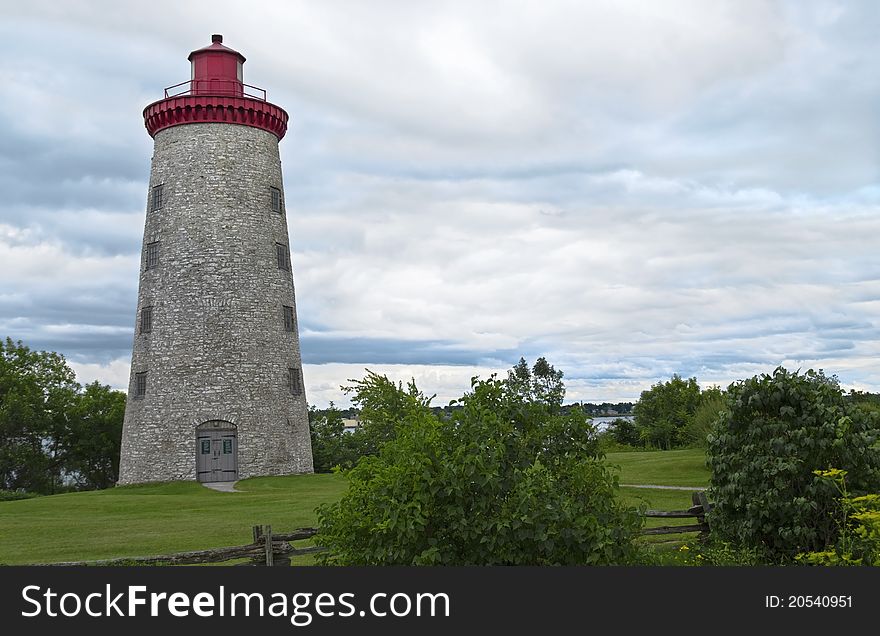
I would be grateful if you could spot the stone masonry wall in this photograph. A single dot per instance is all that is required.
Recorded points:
(218, 349)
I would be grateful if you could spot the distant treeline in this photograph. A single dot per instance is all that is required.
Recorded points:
(605, 409)
(679, 414)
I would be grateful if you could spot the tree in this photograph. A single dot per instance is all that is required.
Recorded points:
(331, 445)
(37, 391)
(868, 402)
(625, 432)
(53, 434)
(541, 384)
(505, 479)
(712, 402)
(381, 404)
(92, 439)
(767, 453)
(663, 412)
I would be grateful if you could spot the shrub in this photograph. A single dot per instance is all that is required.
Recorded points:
(697, 430)
(664, 411)
(858, 524)
(505, 480)
(775, 432)
(716, 552)
(331, 445)
(380, 402)
(624, 432)
(16, 495)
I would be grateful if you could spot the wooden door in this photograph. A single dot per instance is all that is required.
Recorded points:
(216, 456)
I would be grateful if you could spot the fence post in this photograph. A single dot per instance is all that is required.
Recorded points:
(267, 537)
(699, 498)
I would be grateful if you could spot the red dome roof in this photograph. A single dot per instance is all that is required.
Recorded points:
(216, 45)
(215, 94)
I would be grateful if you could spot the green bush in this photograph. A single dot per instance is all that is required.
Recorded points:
(624, 432)
(775, 432)
(697, 430)
(858, 523)
(378, 407)
(331, 445)
(16, 495)
(664, 411)
(508, 479)
(716, 552)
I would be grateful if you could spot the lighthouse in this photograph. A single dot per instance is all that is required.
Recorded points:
(216, 388)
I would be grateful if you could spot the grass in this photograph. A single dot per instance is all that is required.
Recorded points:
(668, 468)
(658, 499)
(175, 517)
(156, 518)
(663, 468)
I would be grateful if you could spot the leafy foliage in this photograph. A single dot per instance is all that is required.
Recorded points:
(505, 480)
(92, 439)
(858, 524)
(716, 552)
(775, 432)
(53, 434)
(542, 384)
(16, 495)
(869, 402)
(380, 401)
(624, 432)
(37, 391)
(332, 446)
(664, 411)
(697, 430)
(381, 404)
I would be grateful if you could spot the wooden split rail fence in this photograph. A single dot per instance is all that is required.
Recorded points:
(267, 549)
(272, 549)
(699, 511)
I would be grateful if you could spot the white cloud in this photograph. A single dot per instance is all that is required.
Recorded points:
(114, 373)
(447, 382)
(632, 189)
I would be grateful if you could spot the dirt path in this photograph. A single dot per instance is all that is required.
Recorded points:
(221, 486)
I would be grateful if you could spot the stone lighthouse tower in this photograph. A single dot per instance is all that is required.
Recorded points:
(216, 388)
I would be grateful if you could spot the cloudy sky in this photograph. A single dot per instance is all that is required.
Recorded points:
(631, 189)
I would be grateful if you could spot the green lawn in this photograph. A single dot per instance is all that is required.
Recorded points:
(665, 468)
(668, 468)
(658, 499)
(156, 519)
(174, 517)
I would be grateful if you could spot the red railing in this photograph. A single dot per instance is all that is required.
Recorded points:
(216, 87)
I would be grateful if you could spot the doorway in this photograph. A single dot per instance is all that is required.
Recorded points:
(216, 451)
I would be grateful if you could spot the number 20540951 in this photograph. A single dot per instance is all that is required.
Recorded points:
(771, 601)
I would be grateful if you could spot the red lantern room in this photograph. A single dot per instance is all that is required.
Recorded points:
(215, 93)
(216, 69)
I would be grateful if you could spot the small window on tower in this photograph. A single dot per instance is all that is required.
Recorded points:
(276, 200)
(288, 318)
(294, 381)
(156, 201)
(152, 259)
(282, 256)
(140, 384)
(146, 320)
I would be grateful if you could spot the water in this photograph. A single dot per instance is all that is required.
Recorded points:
(601, 423)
